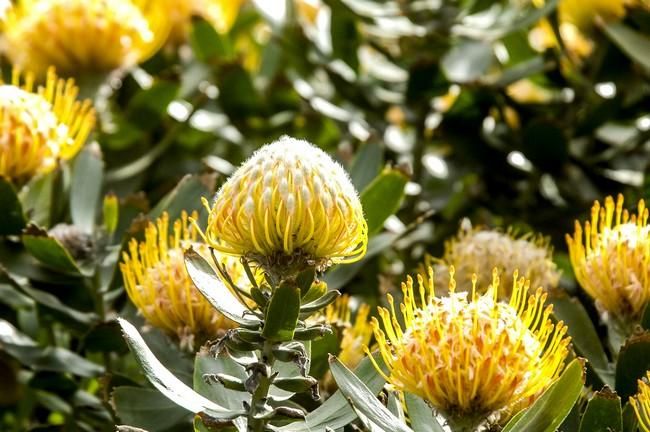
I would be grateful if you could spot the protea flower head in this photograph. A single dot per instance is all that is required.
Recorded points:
(40, 125)
(611, 259)
(474, 249)
(641, 403)
(469, 355)
(78, 36)
(157, 282)
(289, 203)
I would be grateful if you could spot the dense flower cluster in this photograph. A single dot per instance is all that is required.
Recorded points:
(40, 125)
(469, 355)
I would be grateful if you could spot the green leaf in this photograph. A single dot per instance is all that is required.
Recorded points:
(166, 383)
(467, 61)
(548, 412)
(421, 414)
(231, 399)
(363, 399)
(282, 313)
(208, 283)
(367, 164)
(206, 43)
(48, 250)
(633, 362)
(583, 334)
(382, 197)
(630, 41)
(335, 412)
(85, 188)
(630, 421)
(185, 196)
(54, 359)
(142, 407)
(603, 413)
(345, 36)
(148, 106)
(337, 277)
(12, 219)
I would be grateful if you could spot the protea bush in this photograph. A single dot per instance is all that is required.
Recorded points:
(324, 215)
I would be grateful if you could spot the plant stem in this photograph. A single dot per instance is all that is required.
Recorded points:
(258, 398)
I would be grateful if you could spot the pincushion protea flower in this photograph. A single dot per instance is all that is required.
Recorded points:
(157, 282)
(612, 261)
(641, 404)
(474, 249)
(470, 356)
(79, 36)
(289, 202)
(40, 124)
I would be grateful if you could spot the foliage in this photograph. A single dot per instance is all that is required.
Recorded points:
(438, 110)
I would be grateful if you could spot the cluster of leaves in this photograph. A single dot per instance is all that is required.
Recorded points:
(362, 84)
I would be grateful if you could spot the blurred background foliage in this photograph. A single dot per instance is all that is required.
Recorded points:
(509, 113)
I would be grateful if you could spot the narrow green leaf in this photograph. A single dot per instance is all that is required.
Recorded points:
(231, 399)
(185, 196)
(54, 359)
(467, 61)
(583, 334)
(208, 283)
(363, 399)
(282, 313)
(367, 164)
(48, 250)
(166, 383)
(142, 408)
(342, 274)
(12, 219)
(630, 421)
(632, 364)
(603, 413)
(85, 188)
(630, 41)
(382, 197)
(421, 414)
(548, 412)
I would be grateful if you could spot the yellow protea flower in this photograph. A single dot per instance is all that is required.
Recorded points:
(612, 261)
(40, 125)
(641, 404)
(290, 200)
(157, 282)
(221, 14)
(78, 36)
(469, 355)
(474, 249)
